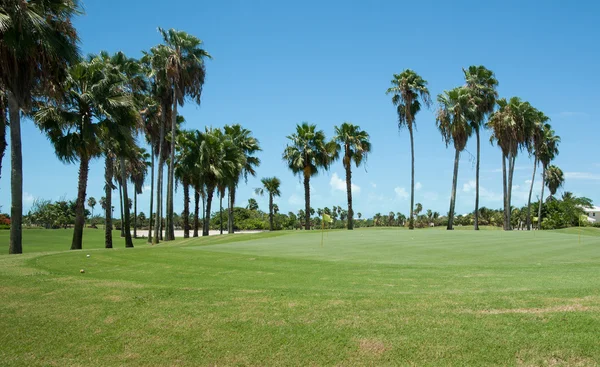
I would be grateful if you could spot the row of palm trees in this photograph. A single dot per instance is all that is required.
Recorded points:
(93, 107)
(466, 110)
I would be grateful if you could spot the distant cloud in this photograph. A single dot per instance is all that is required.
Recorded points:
(146, 188)
(374, 185)
(28, 199)
(582, 176)
(430, 196)
(567, 114)
(401, 193)
(418, 186)
(483, 192)
(340, 185)
(517, 168)
(295, 200)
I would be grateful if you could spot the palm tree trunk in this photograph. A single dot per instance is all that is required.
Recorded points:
(108, 179)
(530, 192)
(349, 190)
(221, 212)
(16, 177)
(511, 170)
(196, 208)
(3, 124)
(476, 219)
(161, 140)
(209, 195)
(84, 167)
(170, 233)
(453, 195)
(306, 202)
(134, 213)
(411, 223)
(203, 213)
(186, 210)
(270, 212)
(125, 225)
(231, 204)
(151, 196)
(504, 191)
(539, 225)
(121, 207)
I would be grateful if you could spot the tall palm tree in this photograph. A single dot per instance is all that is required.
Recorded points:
(482, 84)
(548, 150)
(555, 178)
(152, 120)
(215, 163)
(270, 185)
(92, 203)
(37, 44)
(183, 75)
(185, 171)
(308, 152)
(95, 103)
(452, 120)
(356, 147)
(535, 148)
(511, 128)
(138, 170)
(409, 91)
(248, 146)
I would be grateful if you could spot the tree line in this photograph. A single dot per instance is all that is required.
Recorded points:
(96, 107)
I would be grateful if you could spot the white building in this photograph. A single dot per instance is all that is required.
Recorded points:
(593, 213)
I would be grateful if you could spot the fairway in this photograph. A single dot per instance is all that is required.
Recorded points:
(363, 297)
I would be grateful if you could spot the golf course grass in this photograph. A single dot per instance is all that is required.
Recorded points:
(363, 297)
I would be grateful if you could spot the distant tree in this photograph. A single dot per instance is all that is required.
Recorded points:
(418, 208)
(555, 178)
(359, 214)
(270, 185)
(252, 204)
(92, 203)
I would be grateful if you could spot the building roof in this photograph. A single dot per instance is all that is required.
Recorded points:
(592, 209)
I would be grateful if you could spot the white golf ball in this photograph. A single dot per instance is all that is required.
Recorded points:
(88, 255)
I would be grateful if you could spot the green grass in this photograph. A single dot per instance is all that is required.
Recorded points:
(367, 297)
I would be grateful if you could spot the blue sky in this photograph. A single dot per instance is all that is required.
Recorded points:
(278, 63)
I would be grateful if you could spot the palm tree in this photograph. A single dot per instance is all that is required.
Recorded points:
(308, 153)
(452, 120)
(356, 146)
(359, 215)
(511, 129)
(535, 148)
(183, 75)
(152, 119)
(37, 44)
(409, 91)
(482, 85)
(418, 208)
(92, 203)
(555, 178)
(138, 169)
(252, 204)
(271, 185)
(95, 105)
(248, 146)
(215, 162)
(185, 171)
(548, 150)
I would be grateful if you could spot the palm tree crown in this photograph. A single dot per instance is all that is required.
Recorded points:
(555, 178)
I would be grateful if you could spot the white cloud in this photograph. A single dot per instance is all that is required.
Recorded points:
(340, 185)
(568, 114)
(418, 186)
(401, 193)
(483, 192)
(146, 189)
(28, 198)
(582, 176)
(374, 185)
(295, 200)
(469, 186)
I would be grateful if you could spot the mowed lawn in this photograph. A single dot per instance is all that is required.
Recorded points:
(366, 297)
